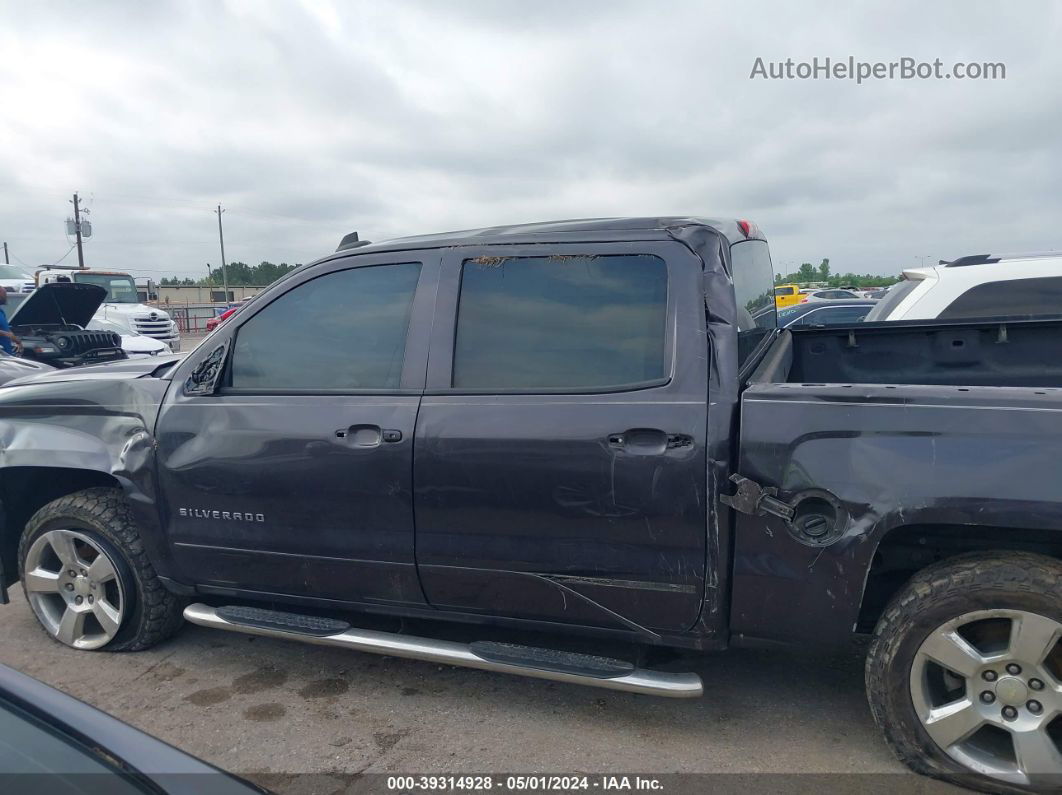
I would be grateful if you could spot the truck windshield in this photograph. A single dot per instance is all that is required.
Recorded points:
(120, 289)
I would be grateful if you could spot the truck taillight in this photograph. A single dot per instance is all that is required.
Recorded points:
(749, 229)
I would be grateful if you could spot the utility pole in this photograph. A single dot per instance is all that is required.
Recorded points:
(77, 232)
(224, 274)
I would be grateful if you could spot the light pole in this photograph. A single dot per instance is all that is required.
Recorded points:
(224, 274)
(77, 232)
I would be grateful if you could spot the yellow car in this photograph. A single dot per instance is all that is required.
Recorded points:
(786, 295)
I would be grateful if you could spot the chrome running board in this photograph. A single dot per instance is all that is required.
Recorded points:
(580, 669)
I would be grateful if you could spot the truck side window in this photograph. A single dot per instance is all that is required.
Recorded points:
(754, 293)
(1014, 297)
(563, 322)
(343, 330)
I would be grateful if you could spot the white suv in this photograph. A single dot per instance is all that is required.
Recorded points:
(978, 286)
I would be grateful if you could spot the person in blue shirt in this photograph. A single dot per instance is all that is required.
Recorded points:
(8, 341)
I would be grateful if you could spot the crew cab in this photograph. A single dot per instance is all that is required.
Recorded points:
(587, 431)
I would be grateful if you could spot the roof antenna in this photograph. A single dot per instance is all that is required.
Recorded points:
(351, 241)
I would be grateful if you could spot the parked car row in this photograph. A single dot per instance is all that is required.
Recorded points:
(825, 313)
(973, 287)
(786, 295)
(56, 328)
(214, 322)
(144, 330)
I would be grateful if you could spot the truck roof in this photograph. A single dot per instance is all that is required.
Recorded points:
(599, 229)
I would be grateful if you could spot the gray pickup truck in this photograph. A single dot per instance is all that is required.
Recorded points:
(585, 431)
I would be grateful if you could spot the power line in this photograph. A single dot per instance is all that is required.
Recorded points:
(60, 259)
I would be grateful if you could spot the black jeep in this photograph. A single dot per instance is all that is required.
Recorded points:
(51, 323)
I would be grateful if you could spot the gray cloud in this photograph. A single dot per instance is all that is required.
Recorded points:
(307, 120)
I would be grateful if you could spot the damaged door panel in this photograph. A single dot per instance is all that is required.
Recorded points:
(559, 465)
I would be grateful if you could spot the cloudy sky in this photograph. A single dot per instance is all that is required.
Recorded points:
(307, 120)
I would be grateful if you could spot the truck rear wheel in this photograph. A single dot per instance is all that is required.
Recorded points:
(964, 675)
(87, 578)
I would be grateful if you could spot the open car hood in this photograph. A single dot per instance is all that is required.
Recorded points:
(59, 302)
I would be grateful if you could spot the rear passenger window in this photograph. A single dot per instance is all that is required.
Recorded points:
(563, 322)
(754, 293)
(1014, 297)
(343, 330)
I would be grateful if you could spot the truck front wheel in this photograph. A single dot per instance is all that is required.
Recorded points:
(87, 578)
(964, 675)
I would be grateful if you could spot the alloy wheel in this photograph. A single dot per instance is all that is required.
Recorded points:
(987, 687)
(74, 589)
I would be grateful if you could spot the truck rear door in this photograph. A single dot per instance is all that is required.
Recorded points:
(559, 463)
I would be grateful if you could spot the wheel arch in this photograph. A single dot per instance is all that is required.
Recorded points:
(905, 550)
(26, 489)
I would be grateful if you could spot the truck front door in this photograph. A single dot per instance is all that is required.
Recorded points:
(559, 465)
(295, 475)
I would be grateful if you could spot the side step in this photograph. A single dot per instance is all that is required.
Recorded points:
(582, 669)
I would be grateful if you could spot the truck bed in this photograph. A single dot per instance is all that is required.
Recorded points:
(987, 353)
(912, 429)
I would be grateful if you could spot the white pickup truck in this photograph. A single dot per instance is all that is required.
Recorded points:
(122, 311)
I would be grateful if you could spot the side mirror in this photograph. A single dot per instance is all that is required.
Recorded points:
(204, 378)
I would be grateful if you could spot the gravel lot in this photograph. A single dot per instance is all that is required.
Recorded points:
(189, 341)
(277, 710)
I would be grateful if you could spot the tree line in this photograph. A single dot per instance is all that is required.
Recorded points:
(821, 273)
(238, 274)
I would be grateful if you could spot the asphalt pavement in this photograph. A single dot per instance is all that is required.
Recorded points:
(276, 711)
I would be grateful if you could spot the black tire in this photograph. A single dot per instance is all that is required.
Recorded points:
(934, 596)
(153, 613)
